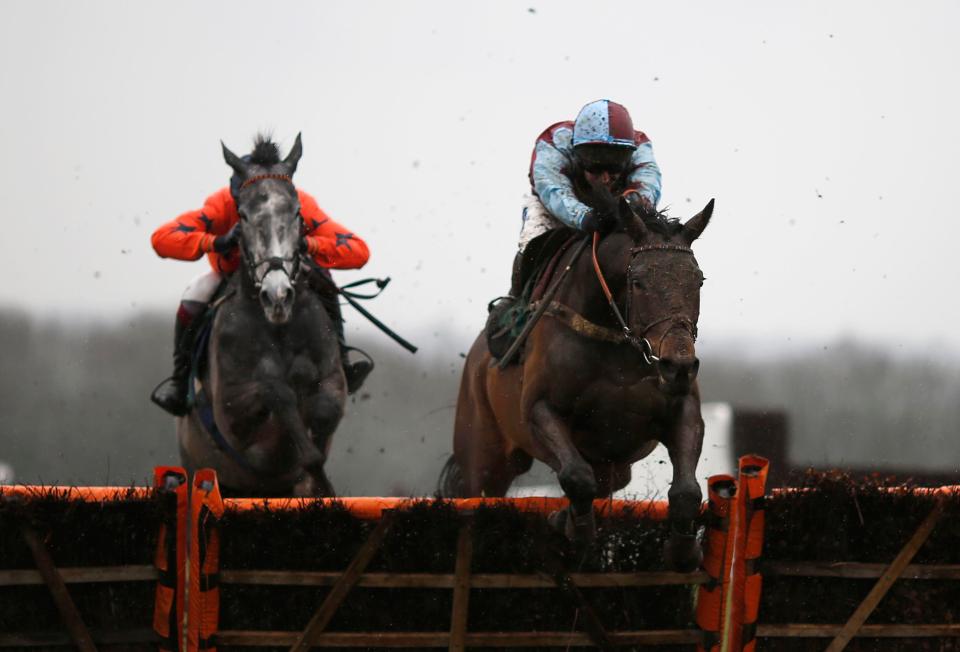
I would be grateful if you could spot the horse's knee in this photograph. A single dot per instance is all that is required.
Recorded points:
(325, 413)
(578, 481)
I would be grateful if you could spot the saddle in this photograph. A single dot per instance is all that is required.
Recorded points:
(507, 315)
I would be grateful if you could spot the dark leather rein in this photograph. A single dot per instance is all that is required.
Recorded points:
(640, 342)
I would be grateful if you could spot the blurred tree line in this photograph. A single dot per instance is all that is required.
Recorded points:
(74, 405)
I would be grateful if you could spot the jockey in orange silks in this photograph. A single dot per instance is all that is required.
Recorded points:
(213, 230)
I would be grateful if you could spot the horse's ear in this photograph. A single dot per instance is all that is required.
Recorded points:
(234, 161)
(696, 224)
(294, 156)
(632, 223)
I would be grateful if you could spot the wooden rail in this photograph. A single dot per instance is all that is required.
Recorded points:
(82, 575)
(101, 574)
(145, 573)
(51, 639)
(448, 580)
(442, 639)
(865, 631)
(856, 570)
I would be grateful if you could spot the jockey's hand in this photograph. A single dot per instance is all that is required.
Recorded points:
(597, 221)
(225, 243)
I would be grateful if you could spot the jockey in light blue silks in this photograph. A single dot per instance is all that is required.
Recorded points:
(577, 172)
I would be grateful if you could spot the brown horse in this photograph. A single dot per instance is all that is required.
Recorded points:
(595, 391)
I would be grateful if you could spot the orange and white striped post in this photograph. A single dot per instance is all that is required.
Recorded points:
(717, 561)
(171, 556)
(753, 486)
(203, 613)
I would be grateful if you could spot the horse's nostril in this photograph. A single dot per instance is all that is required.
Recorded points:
(673, 371)
(668, 369)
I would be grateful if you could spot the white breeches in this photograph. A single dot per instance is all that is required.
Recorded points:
(202, 288)
(537, 220)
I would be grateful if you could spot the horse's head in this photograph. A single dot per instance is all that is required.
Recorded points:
(270, 224)
(662, 289)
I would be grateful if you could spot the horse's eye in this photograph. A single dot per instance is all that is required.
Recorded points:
(243, 215)
(637, 282)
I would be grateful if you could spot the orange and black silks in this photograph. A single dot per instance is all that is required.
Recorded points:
(171, 557)
(714, 596)
(753, 486)
(191, 235)
(206, 509)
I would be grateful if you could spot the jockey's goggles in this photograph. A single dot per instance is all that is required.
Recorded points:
(600, 168)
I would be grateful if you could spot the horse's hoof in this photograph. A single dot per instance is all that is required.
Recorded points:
(682, 552)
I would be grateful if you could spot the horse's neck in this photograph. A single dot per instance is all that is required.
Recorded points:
(583, 292)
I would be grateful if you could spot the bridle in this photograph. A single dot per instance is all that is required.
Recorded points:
(640, 342)
(273, 262)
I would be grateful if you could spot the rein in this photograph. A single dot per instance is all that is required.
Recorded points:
(641, 343)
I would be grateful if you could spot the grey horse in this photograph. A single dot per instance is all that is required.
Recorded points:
(273, 382)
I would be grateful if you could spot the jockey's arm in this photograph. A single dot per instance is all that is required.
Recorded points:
(644, 175)
(554, 187)
(330, 244)
(192, 234)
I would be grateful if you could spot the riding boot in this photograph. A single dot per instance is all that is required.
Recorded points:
(354, 372)
(516, 275)
(171, 394)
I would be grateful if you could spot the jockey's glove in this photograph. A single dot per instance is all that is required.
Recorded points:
(596, 221)
(225, 243)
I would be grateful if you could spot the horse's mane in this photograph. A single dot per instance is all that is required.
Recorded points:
(660, 222)
(265, 152)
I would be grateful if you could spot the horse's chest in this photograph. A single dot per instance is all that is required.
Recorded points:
(296, 368)
(616, 423)
(285, 358)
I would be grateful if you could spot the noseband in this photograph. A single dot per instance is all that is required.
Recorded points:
(273, 262)
(640, 342)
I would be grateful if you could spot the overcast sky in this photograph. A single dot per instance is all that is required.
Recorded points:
(826, 131)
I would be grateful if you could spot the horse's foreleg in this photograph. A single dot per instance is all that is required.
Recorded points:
(554, 442)
(282, 402)
(685, 496)
(324, 411)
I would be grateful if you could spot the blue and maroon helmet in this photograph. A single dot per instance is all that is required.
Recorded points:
(603, 122)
